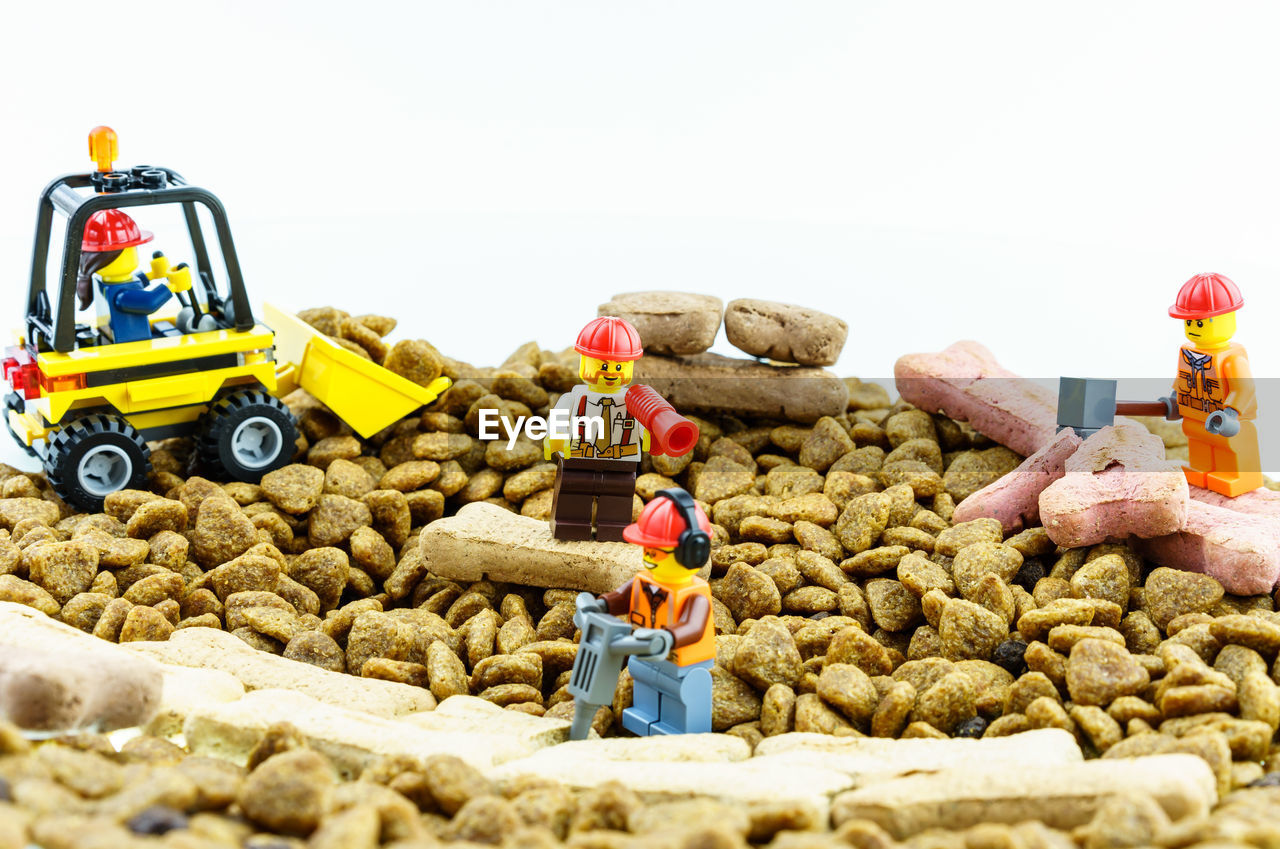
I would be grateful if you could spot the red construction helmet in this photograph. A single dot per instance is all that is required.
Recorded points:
(1205, 296)
(609, 338)
(661, 523)
(112, 230)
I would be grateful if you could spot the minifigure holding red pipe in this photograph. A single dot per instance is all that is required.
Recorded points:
(597, 465)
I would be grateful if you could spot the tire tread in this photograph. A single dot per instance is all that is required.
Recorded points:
(212, 430)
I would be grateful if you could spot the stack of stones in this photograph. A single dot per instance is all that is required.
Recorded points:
(677, 329)
(680, 324)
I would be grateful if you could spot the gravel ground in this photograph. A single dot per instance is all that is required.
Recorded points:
(847, 603)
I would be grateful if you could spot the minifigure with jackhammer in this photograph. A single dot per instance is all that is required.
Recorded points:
(673, 645)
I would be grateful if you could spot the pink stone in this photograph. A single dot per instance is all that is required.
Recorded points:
(1014, 500)
(1117, 484)
(1240, 550)
(965, 382)
(1125, 443)
(1260, 502)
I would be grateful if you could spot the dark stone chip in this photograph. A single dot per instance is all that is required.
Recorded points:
(157, 819)
(1271, 779)
(1030, 574)
(1011, 656)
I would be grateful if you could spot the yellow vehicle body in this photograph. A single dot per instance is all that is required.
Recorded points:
(362, 393)
(161, 386)
(154, 384)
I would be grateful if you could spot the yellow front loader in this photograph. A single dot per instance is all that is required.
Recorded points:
(87, 405)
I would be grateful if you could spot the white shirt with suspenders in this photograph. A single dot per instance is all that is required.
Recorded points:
(622, 433)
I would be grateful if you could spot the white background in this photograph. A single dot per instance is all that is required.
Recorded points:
(1039, 177)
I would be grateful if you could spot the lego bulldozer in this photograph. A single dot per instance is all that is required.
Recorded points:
(86, 402)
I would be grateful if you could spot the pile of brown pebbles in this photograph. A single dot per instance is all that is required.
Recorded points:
(846, 603)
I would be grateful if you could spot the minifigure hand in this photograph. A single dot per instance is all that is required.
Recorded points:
(660, 641)
(159, 266)
(587, 603)
(1171, 413)
(180, 278)
(1224, 422)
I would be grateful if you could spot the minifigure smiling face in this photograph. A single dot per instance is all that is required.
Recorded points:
(1211, 332)
(663, 566)
(605, 375)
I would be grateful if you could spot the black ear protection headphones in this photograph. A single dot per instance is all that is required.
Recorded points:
(694, 544)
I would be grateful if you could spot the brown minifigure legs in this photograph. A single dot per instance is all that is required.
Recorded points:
(1229, 466)
(607, 486)
(613, 507)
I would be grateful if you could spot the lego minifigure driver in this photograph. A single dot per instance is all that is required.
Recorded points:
(672, 695)
(109, 257)
(596, 471)
(1214, 391)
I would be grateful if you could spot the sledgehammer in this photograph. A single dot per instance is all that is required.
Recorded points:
(1088, 404)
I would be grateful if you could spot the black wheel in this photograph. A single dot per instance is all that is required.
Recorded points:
(95, 456)
(246, 434)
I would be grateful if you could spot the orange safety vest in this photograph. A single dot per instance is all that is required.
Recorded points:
(657, 605)
(1204, 382)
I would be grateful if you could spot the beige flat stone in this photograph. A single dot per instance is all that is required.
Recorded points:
(785, 332)
(187, 688)
(54, 677)
(486, 541)
(470, 714)
(710, 383)
(669, 322)
(868, 760)
(350, 739)
(708, 768)
(209, 648)
(1062, 796)
(682, 748)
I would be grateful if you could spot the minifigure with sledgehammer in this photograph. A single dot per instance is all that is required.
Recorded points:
(1213, 394)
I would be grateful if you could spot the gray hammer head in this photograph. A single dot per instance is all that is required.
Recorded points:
(1086, 404)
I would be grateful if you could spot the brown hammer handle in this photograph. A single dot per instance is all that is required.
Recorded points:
(1141, 408)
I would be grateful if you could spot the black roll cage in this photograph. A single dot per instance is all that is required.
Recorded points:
(57, 330)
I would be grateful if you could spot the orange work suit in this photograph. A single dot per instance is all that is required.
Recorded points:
(1209, 381)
